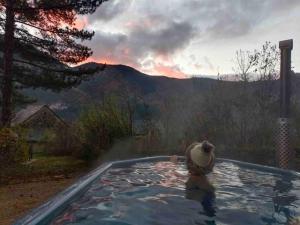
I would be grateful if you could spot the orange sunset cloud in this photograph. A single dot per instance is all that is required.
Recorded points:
(81, 22)
(158, 69)
(169, 71)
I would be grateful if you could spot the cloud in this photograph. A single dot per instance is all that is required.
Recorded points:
(167, 40)
(163, 65)
(134, 47)
(81, 22)
(221, 19)
(172, 70)
(151, 34)
(110, 10)
(229, 25)
(111, 48)
(208, 63)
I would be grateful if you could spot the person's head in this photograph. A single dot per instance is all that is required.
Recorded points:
(200, 157)
(207, 147)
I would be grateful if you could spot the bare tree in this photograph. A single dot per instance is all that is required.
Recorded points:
(267, 62)
(244, 62)
(262, 64)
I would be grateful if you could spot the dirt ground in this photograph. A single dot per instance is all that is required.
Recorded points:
(16, 200)
(26, 186)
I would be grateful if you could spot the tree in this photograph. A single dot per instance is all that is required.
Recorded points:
(267, 61)
(255, 105)
(262, 64)
(244, 62)
(45, 28)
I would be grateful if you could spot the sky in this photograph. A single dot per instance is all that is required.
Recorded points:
(184, 38)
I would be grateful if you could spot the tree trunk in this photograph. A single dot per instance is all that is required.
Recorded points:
(7, 86)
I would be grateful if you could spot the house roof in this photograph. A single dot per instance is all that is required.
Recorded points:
(25, 113)
(31, 111)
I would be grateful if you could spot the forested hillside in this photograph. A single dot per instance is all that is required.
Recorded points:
(238, 116)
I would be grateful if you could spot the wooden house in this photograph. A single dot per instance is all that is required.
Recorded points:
(38, 121)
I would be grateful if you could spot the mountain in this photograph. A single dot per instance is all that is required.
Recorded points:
(124, 79)
(116, 79)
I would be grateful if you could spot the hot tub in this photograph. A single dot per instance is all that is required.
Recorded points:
(153, 191)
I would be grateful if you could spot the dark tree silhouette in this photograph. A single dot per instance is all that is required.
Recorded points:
(40, 43)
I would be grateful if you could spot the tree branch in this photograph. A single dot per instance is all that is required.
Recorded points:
(71, 71)
(87, 6)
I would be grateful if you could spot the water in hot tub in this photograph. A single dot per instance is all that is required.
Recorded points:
(156, 194)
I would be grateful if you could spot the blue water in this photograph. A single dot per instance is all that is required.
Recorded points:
(156, 194)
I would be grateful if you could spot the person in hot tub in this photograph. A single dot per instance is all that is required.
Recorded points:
(200, 160)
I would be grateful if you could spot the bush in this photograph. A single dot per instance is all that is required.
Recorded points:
(22, 153)
(61, 142)
(8, 146)
(13, 147)
(99, 126)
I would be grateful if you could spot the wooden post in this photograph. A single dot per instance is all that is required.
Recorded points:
(284, 153)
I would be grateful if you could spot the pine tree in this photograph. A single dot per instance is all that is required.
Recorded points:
(40, 44)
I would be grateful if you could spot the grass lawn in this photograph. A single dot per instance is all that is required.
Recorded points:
(27, 186)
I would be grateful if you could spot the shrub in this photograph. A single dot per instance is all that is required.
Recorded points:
(63, 142)
(13, 147)
(99, 126)
(8, 146)
(22, 153)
